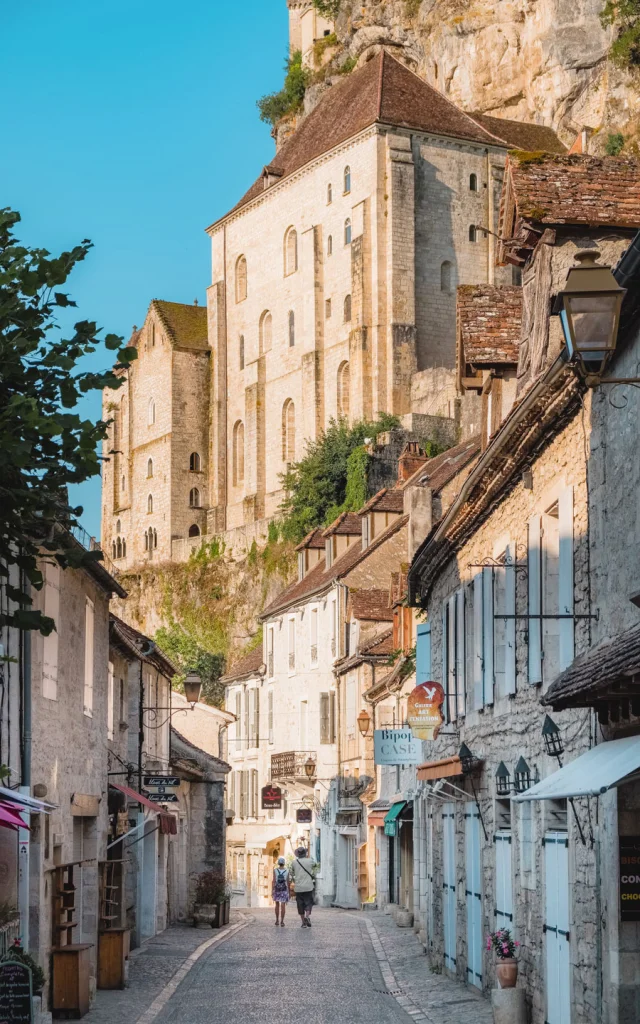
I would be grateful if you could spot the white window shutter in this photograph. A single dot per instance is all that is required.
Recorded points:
(565, 580)
(478, 659)
(535, 603)
(487, 619)
(451, 658)
(510, 624)
(460, 661)
(445, 658)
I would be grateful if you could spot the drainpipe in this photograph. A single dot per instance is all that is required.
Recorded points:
(491, 253)
(24, 835)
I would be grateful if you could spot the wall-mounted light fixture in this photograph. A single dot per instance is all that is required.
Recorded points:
(522, 776)
(503, 780)
(364, 722)
(552, 738)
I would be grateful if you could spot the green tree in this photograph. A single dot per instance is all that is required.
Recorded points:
(328, 8)
(186, 653)
(625, 15)
(44, 445)
(276, 105)
(328, 480)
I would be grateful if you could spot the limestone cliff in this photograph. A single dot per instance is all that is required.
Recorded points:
(544, 61)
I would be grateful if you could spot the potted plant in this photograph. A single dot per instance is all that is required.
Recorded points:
(212, 900)
(504, 945)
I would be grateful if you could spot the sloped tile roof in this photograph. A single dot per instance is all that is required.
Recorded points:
(185, 325)
(440, 470)
(132, 643)
(247, 665)
(381, 644)
(386, 500)
(521, 134)
(383, 91)
(347, 524)
(489, 324)
(613, 661)
(314, 539)
(371, 605)
(576, 189)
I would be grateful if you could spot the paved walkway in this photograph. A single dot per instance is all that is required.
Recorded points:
(349, 968)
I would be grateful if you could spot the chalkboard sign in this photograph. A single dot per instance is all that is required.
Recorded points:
(15, 993)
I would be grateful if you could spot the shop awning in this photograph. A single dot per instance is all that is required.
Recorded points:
(447, 768)
(138, 798)
(394, 811)
(591, 774)
(28, 802)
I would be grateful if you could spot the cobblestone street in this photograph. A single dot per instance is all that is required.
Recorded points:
(349, 967)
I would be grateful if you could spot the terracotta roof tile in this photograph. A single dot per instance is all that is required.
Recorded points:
(489, 320)
(371, 605)
(248, 664)
(133, 642)
(382, 91)
(521, 134)
(440, 470)
(347, 524)
(186, 325)
(314, 539)
(386, 500)
(381, 644)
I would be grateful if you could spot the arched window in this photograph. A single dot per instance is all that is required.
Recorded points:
(124, 548)
(473, 182)
(150, 503)
(347, 308)
(292, 328)
(347, 179)
(113, 549)
(241, 279)
(472, 233)
(194, 531)
(151, 414)
(194, 498)
(241, 352)
(118, 527)
(238, 453)
(327, 308)
(266, 327)
(445, 277)
(155, 538)
(149, 468)
(194, 462)
(146, 540)
(288, 431)
(343, 390)
(290, 251)
(118, 548)
(329, 245)
(347, 232)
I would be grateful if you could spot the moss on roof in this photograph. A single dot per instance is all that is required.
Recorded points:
(185, 325)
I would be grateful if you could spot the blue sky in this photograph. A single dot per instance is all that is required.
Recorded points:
(133, 123)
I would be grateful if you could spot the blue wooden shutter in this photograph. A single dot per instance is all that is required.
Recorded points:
(565, 576)
(487, 619)
(445, 658)
(423, 653)
(535, 602)
(460, 658)
(510, 624)
(478, 653)
(451, 659)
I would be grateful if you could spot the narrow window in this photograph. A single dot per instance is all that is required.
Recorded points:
(473, 182)
(329, 245)
(194, 462)
(445, 277)
(290, 251)
(238, 453)
(472, 233)
(347, 309)
(113, 549)
(153, 335)
(124, 548)
(288, 431)
(150, 503)
(292, 328)
(347, 179)
(151, 419)
(241, 352)
(347, 232)
(155, 538)
(343, 390)
(119, 548)
(146, 540)
(194, 531)
(265, 332)
(88, 657)
(329, 195)
(122, 483)
(149, 468)
(241, 279)
(194, 498)
(327, 308)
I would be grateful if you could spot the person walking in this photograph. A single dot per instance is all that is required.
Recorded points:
(303, 879)
(280, 890)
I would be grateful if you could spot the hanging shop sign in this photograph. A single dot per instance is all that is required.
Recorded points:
(16, 992)
(396, 746)
(166, 781)
(629, 878)
(271, 798)
(158, 797)
(424, 710)
(304, 815)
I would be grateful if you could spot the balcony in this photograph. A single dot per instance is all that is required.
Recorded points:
(294, 764)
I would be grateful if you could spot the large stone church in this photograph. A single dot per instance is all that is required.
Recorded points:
(333, 289)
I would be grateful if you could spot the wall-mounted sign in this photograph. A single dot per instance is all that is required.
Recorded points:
(159, 798)
(171, 781)
(16, 1002)
(271, 798)
(396, 746)
(424, 710)
(629, 878)
(304, 815)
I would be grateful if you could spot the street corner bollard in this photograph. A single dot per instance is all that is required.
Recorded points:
(509, 1006)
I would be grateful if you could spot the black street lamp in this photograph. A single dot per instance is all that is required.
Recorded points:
(192, 687)
(467, 759)
(503, 780)
(552, 738)
(522, 776)
(310, 768)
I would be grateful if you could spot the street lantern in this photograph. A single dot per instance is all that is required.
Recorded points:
(503, 780)
(589, 309)
(192, 687)
(522, 776)
(467, 760)
(364, 722)
(552, 738)
(310, 768)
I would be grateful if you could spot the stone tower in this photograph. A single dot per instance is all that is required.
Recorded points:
(306, 27)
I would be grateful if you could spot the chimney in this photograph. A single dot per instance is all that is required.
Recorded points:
(412, 457)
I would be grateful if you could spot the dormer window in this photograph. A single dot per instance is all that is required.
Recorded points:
(300, 565)
(328, 552)
(365, 532)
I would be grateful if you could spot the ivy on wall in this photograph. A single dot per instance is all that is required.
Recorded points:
(625, 15)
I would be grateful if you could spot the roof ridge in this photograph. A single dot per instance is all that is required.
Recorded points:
(157, 305)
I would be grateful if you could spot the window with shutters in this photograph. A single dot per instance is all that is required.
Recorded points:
(527, 845)
(246, 720)
(292, 644)
(504, 629)
(254, 793)
(328, 717)
(88, 657)
(238, 726)
(550, 582)
(503, 881)
(453, 631)
(313, 636)
(270, 652)
(231, 795)
(270, 715)
(255, 724)
(334, 626)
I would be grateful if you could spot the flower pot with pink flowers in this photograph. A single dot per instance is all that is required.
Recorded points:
(504, 946)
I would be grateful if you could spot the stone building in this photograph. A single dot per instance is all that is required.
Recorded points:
(306, 28)
(512, 578)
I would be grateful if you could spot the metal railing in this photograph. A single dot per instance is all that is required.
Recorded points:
(9, 932)
(89, 543)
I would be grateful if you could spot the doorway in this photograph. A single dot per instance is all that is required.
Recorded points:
(347, 882)
(556, 927)
(449, 883)
(473, 851)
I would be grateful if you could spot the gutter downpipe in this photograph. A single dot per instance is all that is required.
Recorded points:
(24, 835)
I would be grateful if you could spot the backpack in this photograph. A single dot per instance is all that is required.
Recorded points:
(281, 880)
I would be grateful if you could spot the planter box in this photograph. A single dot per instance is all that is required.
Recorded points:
(211, 915)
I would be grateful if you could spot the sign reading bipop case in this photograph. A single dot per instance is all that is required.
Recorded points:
(424, 710)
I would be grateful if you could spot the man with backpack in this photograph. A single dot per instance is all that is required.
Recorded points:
(304, 881)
